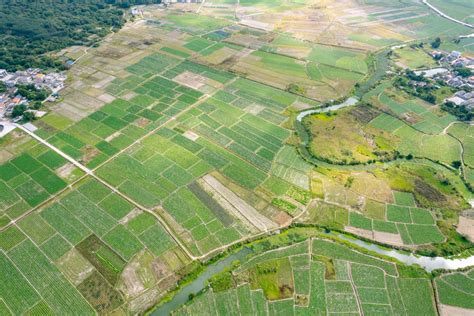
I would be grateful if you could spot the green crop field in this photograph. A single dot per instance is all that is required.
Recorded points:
(415, 225)
(456, 289)
(334, 280)
(29, 180)
(45, 240)
(175, 143)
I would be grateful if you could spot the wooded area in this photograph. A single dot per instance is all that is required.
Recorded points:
(31, 29)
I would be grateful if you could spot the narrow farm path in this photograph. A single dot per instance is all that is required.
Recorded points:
(359, 304)
(92, 174)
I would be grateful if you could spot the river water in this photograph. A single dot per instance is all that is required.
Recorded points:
(427, 263)
(200, 283)
(350, 101)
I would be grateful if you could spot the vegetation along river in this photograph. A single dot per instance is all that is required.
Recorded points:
(427, 263)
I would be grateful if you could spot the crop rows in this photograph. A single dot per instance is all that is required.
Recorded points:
(335, 279)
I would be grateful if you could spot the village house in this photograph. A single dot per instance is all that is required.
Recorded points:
(463, 98)
(52, 81)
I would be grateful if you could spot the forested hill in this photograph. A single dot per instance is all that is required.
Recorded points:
(31, 28)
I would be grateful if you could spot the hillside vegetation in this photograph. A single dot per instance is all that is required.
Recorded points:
(29, 30)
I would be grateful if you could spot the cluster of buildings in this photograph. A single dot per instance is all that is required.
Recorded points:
(7, 103)
(33, 76)
(454, 61)
(53, 81)
(463, 98)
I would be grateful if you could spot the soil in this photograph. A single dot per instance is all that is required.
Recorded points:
(466, 227)
(446, 310)
(388, 238)
(428, 191)
(360, 232)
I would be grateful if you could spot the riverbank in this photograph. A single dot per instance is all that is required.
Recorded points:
(408, 264)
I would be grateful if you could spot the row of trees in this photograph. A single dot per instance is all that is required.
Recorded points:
(460, 111)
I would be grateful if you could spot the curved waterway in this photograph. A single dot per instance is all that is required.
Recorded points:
(427, 263)
(200, 283)
(350, 101)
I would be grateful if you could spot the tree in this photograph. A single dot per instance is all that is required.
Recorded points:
(429, 98)
(18, 110)
(456, 164)
(36, 105)
(29, 116)
(31, 93)
(436, 43)
(461, 112)
(31, 29)
(464, 72)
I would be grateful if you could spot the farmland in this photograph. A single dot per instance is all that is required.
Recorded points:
(410, 128)
(416, 139)
(456, 289)
(314, 275)
(79, 240)
(175, 142)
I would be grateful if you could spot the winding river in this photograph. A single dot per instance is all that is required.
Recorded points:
(200, 283)
(427, 263)
(349, 102)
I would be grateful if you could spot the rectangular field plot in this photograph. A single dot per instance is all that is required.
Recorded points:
(404, 223)
(79, 245)
(48, 280)
(386, 122)
(338, 57)
(31, 178)
(456, 289)
(17, 294)
(291, 167)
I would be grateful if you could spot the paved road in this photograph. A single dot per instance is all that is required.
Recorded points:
(61, 153)
(441, 13)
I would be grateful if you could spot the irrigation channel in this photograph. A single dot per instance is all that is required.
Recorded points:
(427, 263)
